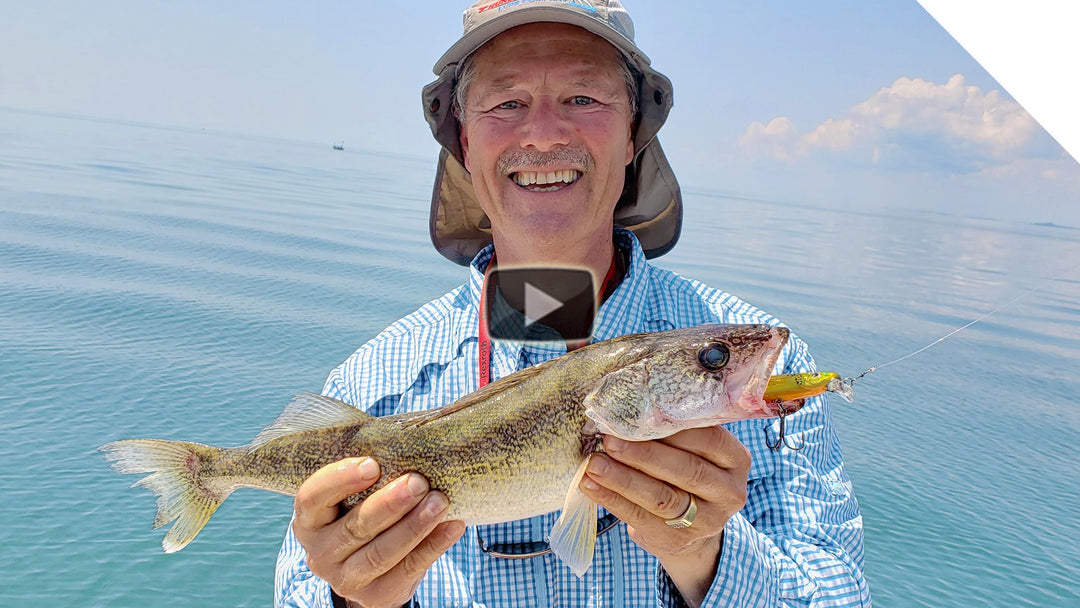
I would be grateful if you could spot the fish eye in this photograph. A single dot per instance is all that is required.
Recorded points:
(714, 356)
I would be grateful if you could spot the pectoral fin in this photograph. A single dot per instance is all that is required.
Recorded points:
(573, 537)
(620, 402)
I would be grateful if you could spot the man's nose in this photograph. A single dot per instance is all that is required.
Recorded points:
(545, 127)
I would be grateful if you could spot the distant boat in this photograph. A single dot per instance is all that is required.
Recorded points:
(340, 146)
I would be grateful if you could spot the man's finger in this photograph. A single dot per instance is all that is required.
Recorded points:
(403, 579)
(416, 564)
(682, 469)
(379, 512)
(626, 510)
(316, 502)
(715, 444)
(651, 494)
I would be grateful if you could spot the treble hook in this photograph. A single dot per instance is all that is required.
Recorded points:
(781, 440)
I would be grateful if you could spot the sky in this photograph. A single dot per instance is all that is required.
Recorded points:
(848, 104)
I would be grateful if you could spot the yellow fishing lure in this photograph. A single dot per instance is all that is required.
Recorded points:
(789, 387)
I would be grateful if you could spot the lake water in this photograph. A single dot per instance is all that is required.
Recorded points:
(183, 284)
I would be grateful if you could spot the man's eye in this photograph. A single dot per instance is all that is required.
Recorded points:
(581, 100)
(508, 105)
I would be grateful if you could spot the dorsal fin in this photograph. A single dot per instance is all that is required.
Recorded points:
(489, 391)
(310, 412)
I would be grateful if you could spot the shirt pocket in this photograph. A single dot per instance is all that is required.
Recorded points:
(505, 578)
(515, 537)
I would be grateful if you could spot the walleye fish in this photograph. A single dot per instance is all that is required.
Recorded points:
(514, 449)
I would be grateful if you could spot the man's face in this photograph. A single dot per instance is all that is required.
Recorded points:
(546, 134)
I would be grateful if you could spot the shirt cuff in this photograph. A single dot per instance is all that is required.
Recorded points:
(340, 602)
(743, 576)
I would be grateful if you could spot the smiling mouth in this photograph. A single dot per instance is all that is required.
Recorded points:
(550, 181)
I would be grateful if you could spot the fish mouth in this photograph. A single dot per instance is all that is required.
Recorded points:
(751, 397)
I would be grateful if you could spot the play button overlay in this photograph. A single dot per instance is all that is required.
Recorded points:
(540, 304)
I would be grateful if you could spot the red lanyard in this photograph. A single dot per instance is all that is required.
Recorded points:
(484, 345)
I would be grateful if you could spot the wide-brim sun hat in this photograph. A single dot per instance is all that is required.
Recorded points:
(651, 202)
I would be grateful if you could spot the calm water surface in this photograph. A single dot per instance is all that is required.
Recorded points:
(184, 284)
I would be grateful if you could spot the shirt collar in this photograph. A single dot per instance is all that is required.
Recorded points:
(504, 353)
(628, 310)
(463, 319)
(629, 307)
(477, 268)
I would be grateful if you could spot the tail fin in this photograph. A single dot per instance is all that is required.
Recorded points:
(175, 469)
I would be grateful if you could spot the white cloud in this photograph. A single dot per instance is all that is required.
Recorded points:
(915, 124)
(1063, 168)
(773, 139)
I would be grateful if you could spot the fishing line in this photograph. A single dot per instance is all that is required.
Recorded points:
(790, 387)
(1039, 285)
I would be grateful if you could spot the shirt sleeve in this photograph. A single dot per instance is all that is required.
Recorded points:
(294, 584)
(798, 541)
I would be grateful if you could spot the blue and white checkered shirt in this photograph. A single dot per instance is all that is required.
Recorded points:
(798, 540)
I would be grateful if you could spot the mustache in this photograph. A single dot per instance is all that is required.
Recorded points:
(512, 159)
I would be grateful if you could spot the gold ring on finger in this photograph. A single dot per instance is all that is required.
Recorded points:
(686, 518)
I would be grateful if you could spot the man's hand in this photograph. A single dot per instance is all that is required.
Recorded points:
(377, 553)
(649, 482)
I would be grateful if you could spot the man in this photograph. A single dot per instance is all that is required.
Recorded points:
(547, 113)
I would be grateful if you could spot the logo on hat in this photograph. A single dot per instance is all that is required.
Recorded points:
(501, 3)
